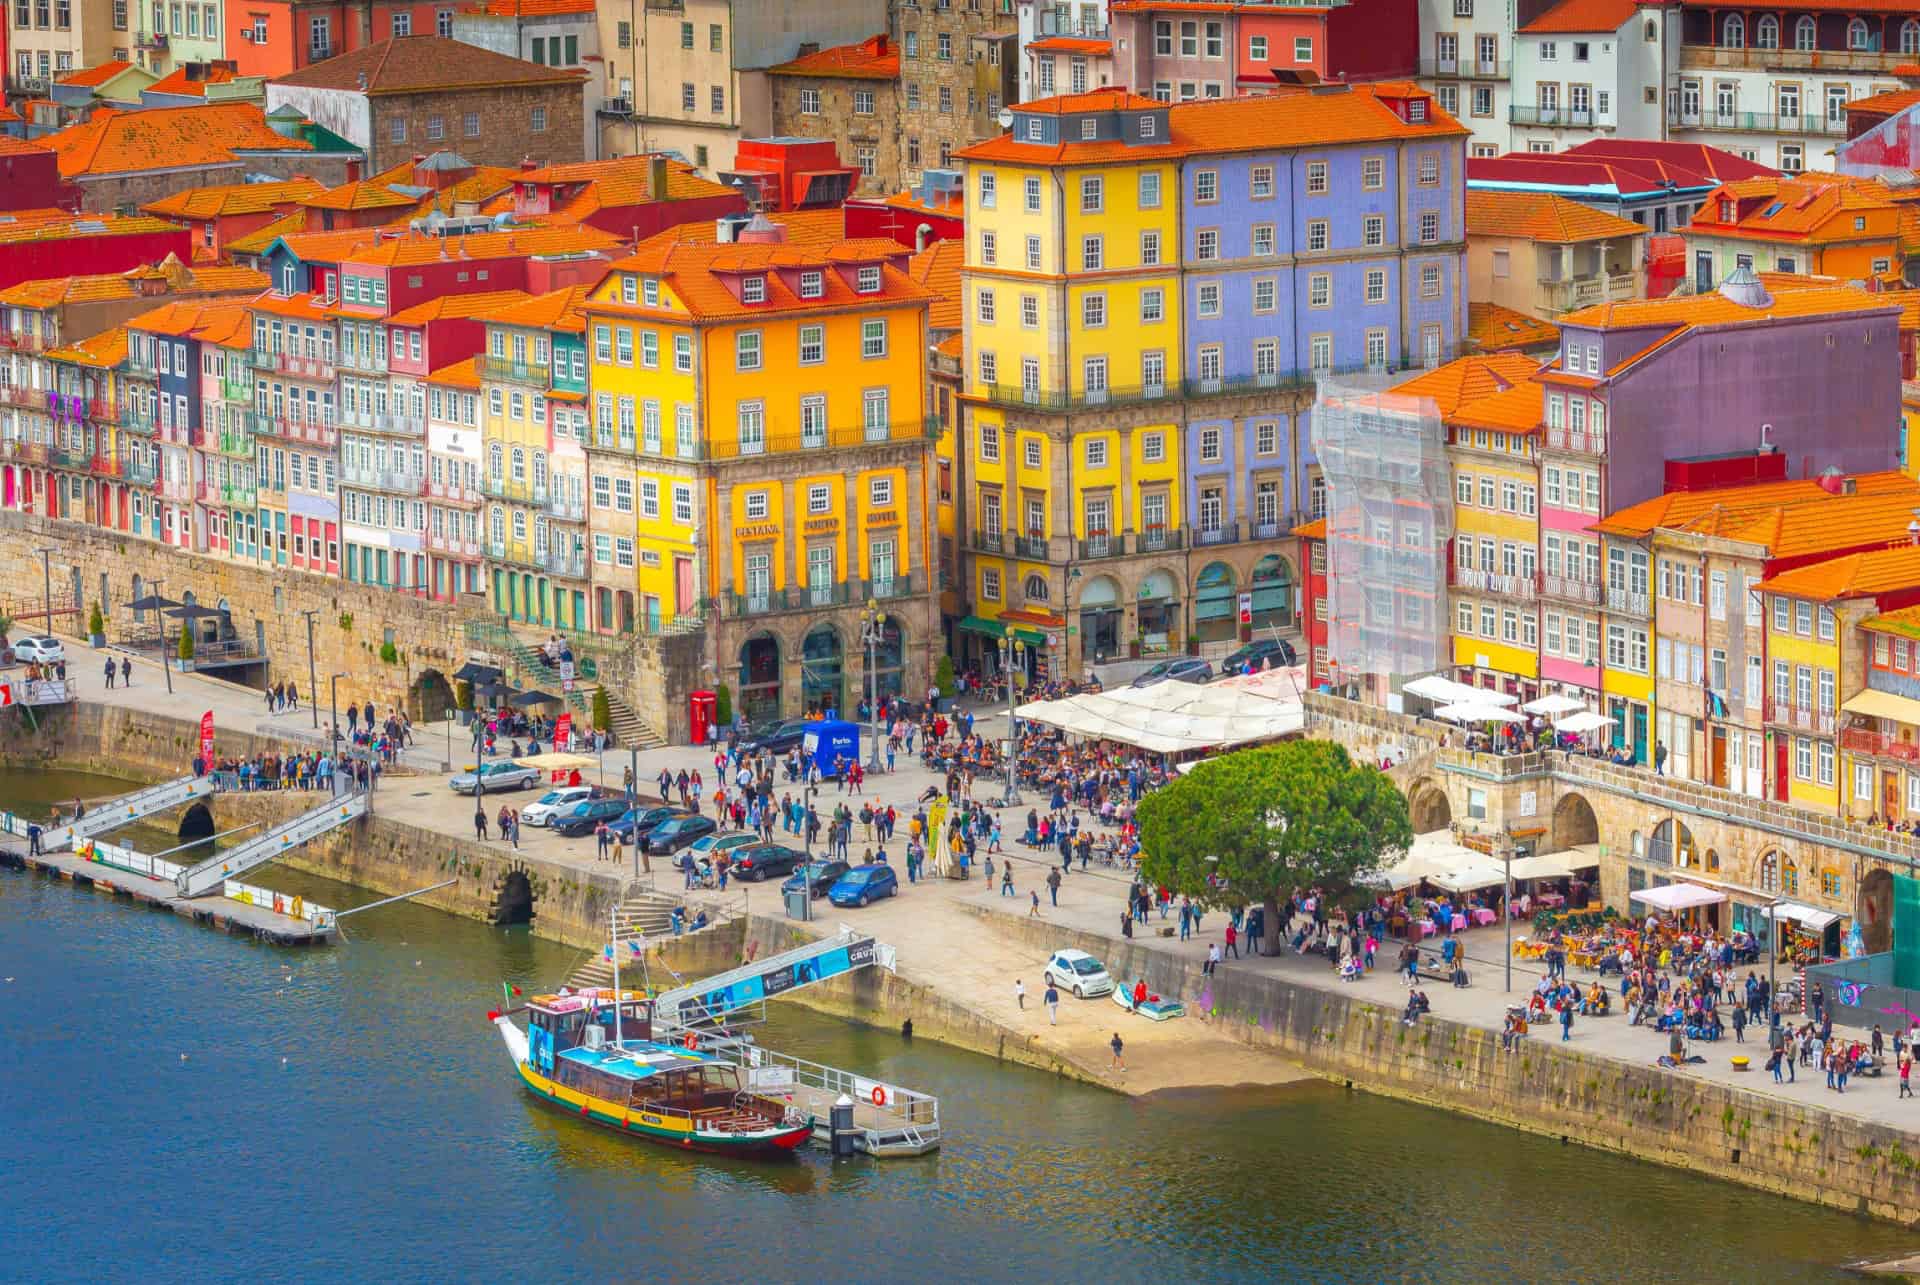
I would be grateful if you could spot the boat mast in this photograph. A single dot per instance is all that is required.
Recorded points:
(613, 940)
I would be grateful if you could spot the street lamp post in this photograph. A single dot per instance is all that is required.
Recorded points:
(1773, 957)
(1012, 650)
(873, 625)
(310, 613)
(1506, 908)
(333, 728)
(46, 553)
(166, 661)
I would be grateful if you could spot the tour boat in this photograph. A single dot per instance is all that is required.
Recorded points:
(592, 1052)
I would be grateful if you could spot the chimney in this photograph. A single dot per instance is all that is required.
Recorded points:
(880, 45)
(657, 172)
(528, 165)
(920, 235)
(418, 157)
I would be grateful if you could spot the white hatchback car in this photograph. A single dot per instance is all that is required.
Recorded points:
(40, 650)
(554, 802)
(1079, 972)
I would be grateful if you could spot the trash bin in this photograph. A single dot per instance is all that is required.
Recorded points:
(797, 903)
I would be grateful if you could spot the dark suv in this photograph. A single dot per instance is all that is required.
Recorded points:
(765, 861)
(1260, 653)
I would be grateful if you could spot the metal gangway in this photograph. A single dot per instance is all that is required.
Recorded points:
(124, 810)
(713, 999)
(211, 875)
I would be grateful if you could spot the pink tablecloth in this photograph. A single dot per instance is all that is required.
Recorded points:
(1459, 923)
(1426, 927)
(1483, 917)
(1552, 899)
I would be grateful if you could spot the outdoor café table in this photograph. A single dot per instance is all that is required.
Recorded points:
(1584, 958)
(1426, 927)
(1459, 923)
(1483, 917)
(1552, 899)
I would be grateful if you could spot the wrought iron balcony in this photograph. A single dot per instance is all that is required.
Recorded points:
(827, 438)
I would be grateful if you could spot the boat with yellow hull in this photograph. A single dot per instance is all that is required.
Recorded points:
(591, 1053)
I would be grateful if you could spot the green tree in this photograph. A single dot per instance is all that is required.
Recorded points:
(722, 706)
(943, 675)
(602, 712)
(1261, 822)
(96, 623)
(186, 644)
(463, 695)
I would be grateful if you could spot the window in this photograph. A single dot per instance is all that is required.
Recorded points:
(988, 192)
(1256, 49)
(867, 281)
(986, 307)
(1092, 253)
(1096, 449)
(1092, 194)
(1376, 285)
(1373, 174)
(1207, 299)
(1149, 198)
(1206, 185)
(747, 350)
(1316, 178)
(1093, 311)
(1032, 193)
(717, 99)
(1206, 244)
(1303, 48)
(809, 103)
(1373, 230)
(1319, 233)
(470, 124)
(1149, 249)
(873, 337)
(1152, 304)
(813, 344)
(863, 102)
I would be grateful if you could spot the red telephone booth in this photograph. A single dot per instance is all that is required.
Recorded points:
(702, 709)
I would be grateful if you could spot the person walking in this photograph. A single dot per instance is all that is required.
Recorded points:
(1739, 1025)
(109, 673)
(1053, 887)
(1006, 879)
(480, 820)
(1033, 911)
(1020, 993)
(1566, 1022)
(1117, 1044)
(1906, 1073)
(126, 672)
(1052, 1000)
(1233, 937)
(603, 839)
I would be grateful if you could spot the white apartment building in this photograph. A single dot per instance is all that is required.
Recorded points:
(1466, 51)
(1592, 69)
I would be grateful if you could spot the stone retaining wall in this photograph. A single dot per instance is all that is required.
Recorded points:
(1642, 1111)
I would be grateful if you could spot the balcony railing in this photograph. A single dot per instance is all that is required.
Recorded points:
(1533, 114)
(26, 452)
(207, 492)
(395, 480)
(138, 471)
(845, 435)
(1475, 580)
(383, 422)
(1802, 717)
(1565, 296)
(318, 432)
(235, 444)
(453, 493)
(1467, 68)
(1128, 394)
(525, 490)
(799, 598)
(150, 39)
(991, 541)
(238, 388)
(1764, 122)
(618, 108)
(1577, 439)
(173, 488)
(1571, 590)
(298, 365)
(571, 563)
(1120, 544)
(1627, 601)
(239, 495)
(64, 457)
(1713, 57)
(1222, 533)
(444, 542)
(1862, 740)
(523, 372)
(1056, 24)
(22, 395)
(565, 507)
(1032, 547)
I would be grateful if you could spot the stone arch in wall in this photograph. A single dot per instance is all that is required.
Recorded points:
(1873, 910)
(1673, 844)
(1574, 822)
(513, 900)
(430, 696)
(1428, 807)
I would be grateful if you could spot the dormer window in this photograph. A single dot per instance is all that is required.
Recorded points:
(1089, 128)
(1036, 130)
(629, 290)
(1147, 126)
(1726, 211)
(1417, 110)
(811, 285)
(753, 290)
(650, 293)
(869, 281)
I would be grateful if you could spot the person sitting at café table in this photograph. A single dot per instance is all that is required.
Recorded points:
(1598, 1002)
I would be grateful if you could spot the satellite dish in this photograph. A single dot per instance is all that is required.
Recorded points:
(1005, 118)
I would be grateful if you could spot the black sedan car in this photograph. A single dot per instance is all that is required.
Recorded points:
(776, 738)
(676, 833)
(820, 876)
(1261, 653)
(636, 825)
(764, 861)
(585, 818)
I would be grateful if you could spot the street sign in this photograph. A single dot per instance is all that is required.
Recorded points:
(566, 684)
(1246, 608)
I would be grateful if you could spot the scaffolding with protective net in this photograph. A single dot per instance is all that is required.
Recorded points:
(1389, 521)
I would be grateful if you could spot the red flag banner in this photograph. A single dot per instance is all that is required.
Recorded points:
(563, 731)
(206, 739)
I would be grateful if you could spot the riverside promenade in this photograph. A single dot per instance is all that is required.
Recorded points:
(971, 944)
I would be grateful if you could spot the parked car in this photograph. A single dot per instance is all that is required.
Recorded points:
(585, 817)
(776, 738)
(1261, 653)
(554, 802)
(637, 824)
(1181, 669)
(765, 860)
(39, 650)
(1079, 972)
(715, 844)
(497, 777)
(862, 884)
(676, 833)
(820, 876)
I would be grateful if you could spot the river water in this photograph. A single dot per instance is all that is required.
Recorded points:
(184, 1104)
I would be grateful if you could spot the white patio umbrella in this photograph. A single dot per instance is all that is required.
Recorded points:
(1553, 706)
(1476, 712)
(1677, 896)
(1582, 723)
(1468, 878)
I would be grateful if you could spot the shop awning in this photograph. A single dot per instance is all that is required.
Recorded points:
(995, 629)
(1677, 896)
(1878, 704)
(1805, 916)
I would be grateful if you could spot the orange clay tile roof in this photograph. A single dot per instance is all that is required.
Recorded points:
(456, 306)
(1834, 523)
(625, 181)
(1494, 328)
(461, 374)
(803, 227)
(1110, 99)
(875, 58)
(1468, 379)
(226, 327)
(563, 309)
(117, 142)
(52, 292)
(362, 195)
(938, 269)
(177, 81)
(300, 307)
(1357, 114)
(1576, 16)
(1314, 530)
(1519, 409)
(12, 146)
(105, 350)
(1072, 45)
(1886, 104)
(1810, 207)
(233, 198)
(90, 76)
(1852, 575)
(1905, 621)
(1716, 309)
(177, 318)
(696, 273)
(1542, 216)
(954, 345)
(529, 8)
(64, 228)
(261, 239)
(8, 116)
(952, 203)
(1678, 508)
(422, 64)
(402, 251)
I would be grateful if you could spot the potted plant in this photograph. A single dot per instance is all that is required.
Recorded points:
(722, 706)
(1193, 644)
(602, 711)
(463, 701)
(97, 627)
(1136, 644)
(943, 677)
(186, 649)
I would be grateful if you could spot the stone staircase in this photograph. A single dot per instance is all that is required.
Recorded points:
(644, 914)
(628, 728)
(525, 663)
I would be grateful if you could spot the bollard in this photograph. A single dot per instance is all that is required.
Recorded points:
(841, 1119)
